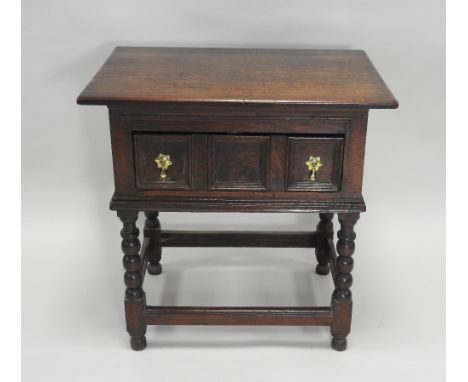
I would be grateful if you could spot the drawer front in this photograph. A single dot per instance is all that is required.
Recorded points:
(229, 162)
(314, 163)
(238, 162)
(162, 161)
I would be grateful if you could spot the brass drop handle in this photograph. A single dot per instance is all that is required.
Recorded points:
(313, 165)
(163, 161)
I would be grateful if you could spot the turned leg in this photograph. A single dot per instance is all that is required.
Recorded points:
(325, 229)
(135, 300)
(342, 303)
(153, 229)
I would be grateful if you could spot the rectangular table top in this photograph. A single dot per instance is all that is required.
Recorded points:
(328, 78)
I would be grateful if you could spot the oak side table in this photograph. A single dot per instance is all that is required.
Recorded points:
(242, 130)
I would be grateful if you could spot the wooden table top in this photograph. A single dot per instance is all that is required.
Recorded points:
(329, 78)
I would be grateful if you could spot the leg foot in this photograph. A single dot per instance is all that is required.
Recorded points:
(138, 343)
(342, 300)
(135, 299)
(322, 269)
(154, 269)
(339, 344)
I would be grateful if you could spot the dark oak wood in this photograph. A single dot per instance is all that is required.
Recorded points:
(288, 316)
(147, 149)
(126, 122)
(342, 302)
(238, 162)
(238, 126)
(325, 231)
(269, 162)
(277, 171)
(238, 239)
(153, 231)
(198, 202)
(329, 248)
(330, 152)
(245, 120)
(200, 159)
(319, 77)
(145, 252)
(135, 299)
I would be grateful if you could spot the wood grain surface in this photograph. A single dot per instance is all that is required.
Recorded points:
(316, 77)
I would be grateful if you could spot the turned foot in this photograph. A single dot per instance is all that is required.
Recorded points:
(154, 269)
(342, 300)
(322, 269)
(135, 299)
(138, 343)
(339, 344)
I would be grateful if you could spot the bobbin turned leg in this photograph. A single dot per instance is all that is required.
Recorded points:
(135, 299)
(325, 229)
(153, 229)
(342, 303)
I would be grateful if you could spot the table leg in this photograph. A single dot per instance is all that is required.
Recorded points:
(135, 299)
(153, 230)
(325, 228)
(342, 302)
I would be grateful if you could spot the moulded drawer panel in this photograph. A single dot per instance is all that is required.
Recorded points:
(148, 147)
(327, 177)
(238, 162)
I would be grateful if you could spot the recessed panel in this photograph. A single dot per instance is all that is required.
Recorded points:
(314, 163)
(238, 162)
(162, 161)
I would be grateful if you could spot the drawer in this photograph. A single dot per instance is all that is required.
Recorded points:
(150, 151)
(314, 163)
(232, 162)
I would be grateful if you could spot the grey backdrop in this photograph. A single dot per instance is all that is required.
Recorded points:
(73, 325)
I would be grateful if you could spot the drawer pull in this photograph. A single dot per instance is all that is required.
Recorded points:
(163, 162)
(313, 165)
